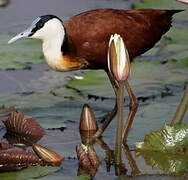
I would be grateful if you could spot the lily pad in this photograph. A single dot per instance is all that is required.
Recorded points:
(17, 56)
(145, 80)
(170, 139)
(32, 172)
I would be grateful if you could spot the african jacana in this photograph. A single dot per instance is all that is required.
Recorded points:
(82, 41)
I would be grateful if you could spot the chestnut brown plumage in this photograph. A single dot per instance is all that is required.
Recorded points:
(89, 32)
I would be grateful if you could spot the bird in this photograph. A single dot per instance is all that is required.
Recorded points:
(82, 41)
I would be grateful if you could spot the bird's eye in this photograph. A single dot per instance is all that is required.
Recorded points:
(39, 25)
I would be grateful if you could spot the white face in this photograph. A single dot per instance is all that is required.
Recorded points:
(51, 29)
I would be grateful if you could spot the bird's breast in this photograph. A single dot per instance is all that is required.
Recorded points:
(66, 63)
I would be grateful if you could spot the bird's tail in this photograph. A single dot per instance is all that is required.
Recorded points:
(174, 11)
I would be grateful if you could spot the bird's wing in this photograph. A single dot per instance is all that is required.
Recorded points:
(141, 29)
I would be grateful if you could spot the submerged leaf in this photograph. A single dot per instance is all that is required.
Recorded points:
(170, 139)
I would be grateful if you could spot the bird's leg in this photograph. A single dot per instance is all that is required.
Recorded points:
(112, 114)
(132, 112)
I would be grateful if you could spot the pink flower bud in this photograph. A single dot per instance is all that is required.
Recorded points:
(118, 59)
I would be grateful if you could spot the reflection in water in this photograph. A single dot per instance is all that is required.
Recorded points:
(89, 161)
(87, 156)
(109, 153)
(22, 129)
(4, 3)
(132, 162)
(171, 164)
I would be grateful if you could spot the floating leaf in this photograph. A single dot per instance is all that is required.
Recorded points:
(19, 55)
(170, 139)
(32, 172)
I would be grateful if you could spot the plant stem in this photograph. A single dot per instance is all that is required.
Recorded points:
(132, 162)
(119, 123)
(182, 108)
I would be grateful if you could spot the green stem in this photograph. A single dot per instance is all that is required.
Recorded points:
(119, 123)
(182, 108)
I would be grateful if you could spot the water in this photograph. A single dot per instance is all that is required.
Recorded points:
(57, 102)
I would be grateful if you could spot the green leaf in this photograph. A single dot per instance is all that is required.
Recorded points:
(20, 54)
(169, 139)
(32, 172)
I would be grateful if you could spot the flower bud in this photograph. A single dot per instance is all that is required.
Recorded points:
(118, 59)
(47, 155)
(87, 119)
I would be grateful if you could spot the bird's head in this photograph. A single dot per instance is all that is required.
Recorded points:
(44, 28)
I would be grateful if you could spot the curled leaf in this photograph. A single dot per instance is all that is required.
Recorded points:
(20, 124)
(19, 157)
(7, 110)
(4, 146)
(15, 139)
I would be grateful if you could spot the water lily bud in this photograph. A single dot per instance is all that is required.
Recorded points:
(118, 59)
(87, 120)
(47, 155)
